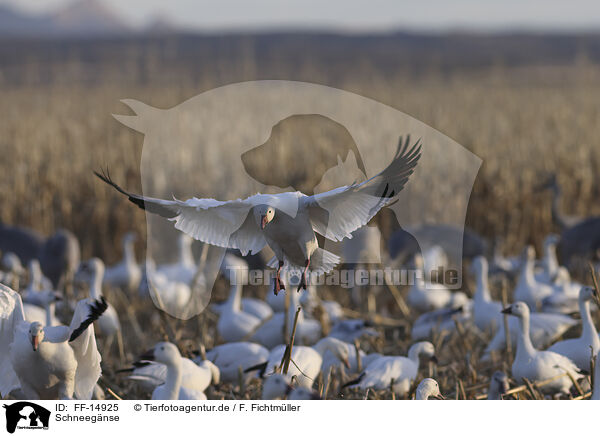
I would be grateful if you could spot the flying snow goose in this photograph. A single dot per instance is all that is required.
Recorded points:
(276, 387)
(127, 273)
(537, 365)
(307, 361)
(287, 222)
(48, 362)
(428, 388)
(232, 356)
(109, 326)
(498, 386)
(580, 350)
(184, 269)
(380, 373)
(181, 381)
(424, 295)
(528, 289)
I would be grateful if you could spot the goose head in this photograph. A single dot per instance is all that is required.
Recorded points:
(423, 350)
(498, 384)
(428, 388)
(275, 387)
(36, 334)
(129, 238)
(551, 240)
(264, 214)
(518, 309)
(528, 254)
(163, 352)
(89, 269)
(587, 293)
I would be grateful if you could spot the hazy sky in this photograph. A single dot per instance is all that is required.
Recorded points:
(354, 14)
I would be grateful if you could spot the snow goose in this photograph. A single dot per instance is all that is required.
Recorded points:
(271, 332)
(185, 268)
(581, 349)
(402, 370)
(348, 330)
(565, 298)
(276, 387)
(444, 319)
(486, 312)
(428, 388)
(537, 365)
(109, 326)
(307, 361)
(424, 295)
(181, 381)
(287, 222)
(127, 273)
(234, 324)
(48, 362)
(236, 271)
(46, 313)
(168, 295)
(498, 386)
(545, 328)
(310, 301)
(549, 262)
(37, 283)
(14, 270)
(528, 289)
(230, 357)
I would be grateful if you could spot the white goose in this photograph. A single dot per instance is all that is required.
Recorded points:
(14, 270)
(37, 283)
(402, 370)
(170, 296)
(528, 289)
(565, 298)
(307, 361)
(230, 357)
(46, 313)
(271, 332)
(109, 326)
(49, 363)
(184, 269)
(234, 324)
(486, 312)
(428, 388)
(444, 319)
(580, 350)
(498, 386)
(424, 295)
(276, 387)
(126, 274)
(539, 365)
(236, 271)
(549, 262)
(180, 381)
(287, 222)
(310, 301)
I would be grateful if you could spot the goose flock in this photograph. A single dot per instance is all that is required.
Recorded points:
(519, 327)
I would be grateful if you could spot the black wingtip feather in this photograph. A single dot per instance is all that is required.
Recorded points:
(97, 308)
(261, 367)
(353, 382)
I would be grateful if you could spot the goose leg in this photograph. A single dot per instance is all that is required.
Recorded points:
(279, 286)
(302, 284)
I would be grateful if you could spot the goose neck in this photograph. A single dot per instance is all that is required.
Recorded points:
(173, 380)
(524, 345)
(588, 327)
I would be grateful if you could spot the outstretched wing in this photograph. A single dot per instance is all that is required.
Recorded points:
(337, 213)
(225, 224)
(11, 315)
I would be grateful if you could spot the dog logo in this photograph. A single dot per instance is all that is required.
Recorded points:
(26, 415)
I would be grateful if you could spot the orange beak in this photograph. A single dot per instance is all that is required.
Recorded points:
(263, 222)
(35, 342)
